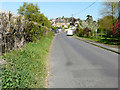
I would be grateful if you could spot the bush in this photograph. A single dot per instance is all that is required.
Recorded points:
(116, 30)
(79, 32)
(34, 31)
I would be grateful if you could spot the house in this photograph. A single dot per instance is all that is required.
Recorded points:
(62, 24)
(59, 23)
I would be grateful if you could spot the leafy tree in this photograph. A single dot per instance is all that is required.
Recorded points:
(63, 17)
(31, 12)
(106, 22)
(100, 30)
(105, 25)
(86, 31)
(53, 28)
(89, 19)
(28, 10)
(79, 31)
(36, 22)
(111, 9)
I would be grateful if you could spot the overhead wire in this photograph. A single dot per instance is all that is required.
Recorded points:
(85, 8)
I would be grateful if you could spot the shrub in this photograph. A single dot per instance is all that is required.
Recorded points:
(79, 32)
(116, 29)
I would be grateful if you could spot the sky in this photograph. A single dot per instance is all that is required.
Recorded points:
(58, 0)
(58, 9)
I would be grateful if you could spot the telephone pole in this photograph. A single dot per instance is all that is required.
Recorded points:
(72, 17)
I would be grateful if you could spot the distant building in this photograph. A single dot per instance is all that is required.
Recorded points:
(59, 23)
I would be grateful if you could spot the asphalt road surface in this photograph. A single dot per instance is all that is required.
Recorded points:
(76, 64)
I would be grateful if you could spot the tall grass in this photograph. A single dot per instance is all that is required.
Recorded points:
(26, 68)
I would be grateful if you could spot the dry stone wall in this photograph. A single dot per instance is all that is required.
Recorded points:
(12, 35)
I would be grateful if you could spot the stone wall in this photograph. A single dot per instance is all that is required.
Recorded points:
(12, 35)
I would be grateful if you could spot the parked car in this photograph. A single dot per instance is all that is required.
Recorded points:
(59, 30)
(69, 32)
(56, 31)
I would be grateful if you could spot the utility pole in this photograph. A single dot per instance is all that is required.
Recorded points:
(72, 17)
(72, 20)
(98, 22)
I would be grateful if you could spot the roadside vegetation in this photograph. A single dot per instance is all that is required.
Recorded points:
(26, 67)
(108, 31)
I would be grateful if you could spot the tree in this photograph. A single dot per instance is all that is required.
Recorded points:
(86, 32)
(79, 31)
(28, 10)
(40, 18)
(111, 9)
(62, 17)
(31, 12)
(106, 22)
(105, 25)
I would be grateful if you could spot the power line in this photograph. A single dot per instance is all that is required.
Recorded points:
(85, 8)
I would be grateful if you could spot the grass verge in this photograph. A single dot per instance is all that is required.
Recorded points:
(26, 68)
(109, 42)
(97, 45)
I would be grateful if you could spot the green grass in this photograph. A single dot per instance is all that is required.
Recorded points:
(109, 41)
(26, 68)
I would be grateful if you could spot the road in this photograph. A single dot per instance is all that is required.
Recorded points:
(76, 64)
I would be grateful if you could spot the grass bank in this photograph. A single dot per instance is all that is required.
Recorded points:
(26, 68)
(113, 42)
